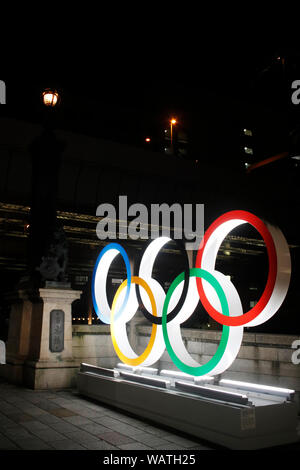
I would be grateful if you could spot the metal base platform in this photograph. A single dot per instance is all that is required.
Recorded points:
(226, 414)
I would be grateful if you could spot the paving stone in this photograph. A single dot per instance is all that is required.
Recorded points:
(134, 446)
(132, 421)
(80, 401)
(16, 432)
(47, 395)
(94, 428)
(116, 438)
(31, 395)
(169, 447)
(108, 422)
(5, 421)
(181, 440)
(63, 427)
(78, 420)
(115, 414)
(81, 436)
(97, 408)
(14, 398)
(7, 444)
(47, 405)
(35, 426)
(88, 413)
(32, 443)
(72, 406)
(34, 411)
(150, 439)
(99, 445)
(21, 417)
(159, 432)
(22, 404)
(64, 394)
(60, 401)
(62, 412)
(48, 419)
(48, 435)
(67, 444)
(128, 430)
(7, 408)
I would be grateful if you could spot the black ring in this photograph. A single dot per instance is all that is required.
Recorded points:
(171, 315)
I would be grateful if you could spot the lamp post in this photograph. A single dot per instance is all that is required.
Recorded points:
(47, 241)
(172, 123)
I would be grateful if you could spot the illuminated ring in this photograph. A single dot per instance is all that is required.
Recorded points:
(212, 240)
(99, 278)
(213, 362)
(171, 315)
(140, 359)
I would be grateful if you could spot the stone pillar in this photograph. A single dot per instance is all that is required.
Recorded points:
(17, 346)
(50, 362)
(39, 346)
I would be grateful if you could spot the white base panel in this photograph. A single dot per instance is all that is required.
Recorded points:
(231, 425)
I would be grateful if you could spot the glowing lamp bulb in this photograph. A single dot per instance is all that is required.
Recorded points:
(50, 98)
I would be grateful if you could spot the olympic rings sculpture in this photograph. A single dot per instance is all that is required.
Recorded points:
(167, 311)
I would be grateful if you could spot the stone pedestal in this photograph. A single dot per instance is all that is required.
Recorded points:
(17, 346)
(39, 346)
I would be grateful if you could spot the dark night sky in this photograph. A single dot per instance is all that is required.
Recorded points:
(123, 76)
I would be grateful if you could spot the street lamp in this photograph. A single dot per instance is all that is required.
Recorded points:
(47, 254)
(172, 123)
(50, 97)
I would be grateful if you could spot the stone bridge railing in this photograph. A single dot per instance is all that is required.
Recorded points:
(263, 358)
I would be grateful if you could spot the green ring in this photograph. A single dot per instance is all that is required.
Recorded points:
(206, 368)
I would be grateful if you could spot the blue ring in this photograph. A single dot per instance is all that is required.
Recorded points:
(124, 255)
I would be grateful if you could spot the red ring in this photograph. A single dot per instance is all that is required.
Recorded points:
(272, 255)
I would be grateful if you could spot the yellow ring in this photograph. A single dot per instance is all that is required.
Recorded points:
(138, 360)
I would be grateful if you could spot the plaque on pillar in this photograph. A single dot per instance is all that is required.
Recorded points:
(56, 334)
(2, 353)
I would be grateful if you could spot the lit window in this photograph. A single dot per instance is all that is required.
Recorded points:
(248, 132)
(248, 150)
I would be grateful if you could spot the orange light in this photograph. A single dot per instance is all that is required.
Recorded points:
(50, 98)
(173, 121)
